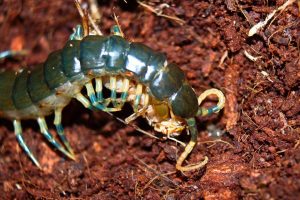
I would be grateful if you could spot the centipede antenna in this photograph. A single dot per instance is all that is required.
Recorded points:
(134, 126)
(50, 138)
(18, 133)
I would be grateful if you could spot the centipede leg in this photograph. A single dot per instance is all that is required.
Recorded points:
(139, 112)
(213, 109)
(99, 88)
(50, 138)
(84, 101)
(60, 130)
(135, 115)
(92, 96)
(91, 93)
(139, 91)
(18, 133)
(113, 88)
(124, 94)
(193, 130)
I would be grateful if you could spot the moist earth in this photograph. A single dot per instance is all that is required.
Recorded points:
(253, 144)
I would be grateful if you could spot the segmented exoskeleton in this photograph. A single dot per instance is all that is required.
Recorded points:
(134, 74)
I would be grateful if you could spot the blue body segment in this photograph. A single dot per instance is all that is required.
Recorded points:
(37, 86)
(184, 98)
(7, 80)
(20, 93)
(53, 71)
(93, 52)
(116, 54)
(167, 82)
(70, 58)
(144, 62)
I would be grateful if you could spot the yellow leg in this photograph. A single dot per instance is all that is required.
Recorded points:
(84, 101)
(138, 93)
(18, 133)
(124, 91)
(135, 115)
(44, 130)
(113, 89)
(91, 93)
(60, 129)
(99, 88)
(139, 112)
(188, 149)
(214, 109)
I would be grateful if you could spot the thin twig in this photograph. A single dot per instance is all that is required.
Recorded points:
(218, 140)
(257, 27)
(134, 126)
(155, 172)
(159, 13)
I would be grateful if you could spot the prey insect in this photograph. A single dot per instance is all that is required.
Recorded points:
(132, 72)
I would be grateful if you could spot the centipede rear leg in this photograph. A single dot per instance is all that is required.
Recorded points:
(49, 137)
(20, 139)
(60, 129)
(192, 129)
(45, 132)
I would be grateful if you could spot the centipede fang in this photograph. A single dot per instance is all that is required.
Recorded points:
(132, 72)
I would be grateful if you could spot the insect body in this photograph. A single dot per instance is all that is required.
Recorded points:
(133, 72)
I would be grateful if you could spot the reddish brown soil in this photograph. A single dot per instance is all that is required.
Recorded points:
(261, 119)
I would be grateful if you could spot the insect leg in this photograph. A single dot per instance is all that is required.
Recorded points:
(139, 112)
(135, 115)
(50, 138)
(91, 93)
(99, 88)
(139, 91)
(214, 109)
(124, 94)
(18, 133)
(60, 129)
(84, 101)
(193, 130)
(113, 88)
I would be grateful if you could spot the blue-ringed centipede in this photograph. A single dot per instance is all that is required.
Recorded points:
(133, 73)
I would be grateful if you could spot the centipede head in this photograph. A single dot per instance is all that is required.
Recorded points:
(171, 127)
(160, 116)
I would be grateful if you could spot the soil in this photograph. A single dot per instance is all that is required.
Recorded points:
(253, 144)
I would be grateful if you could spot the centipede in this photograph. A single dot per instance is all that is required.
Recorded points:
(90, 62)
